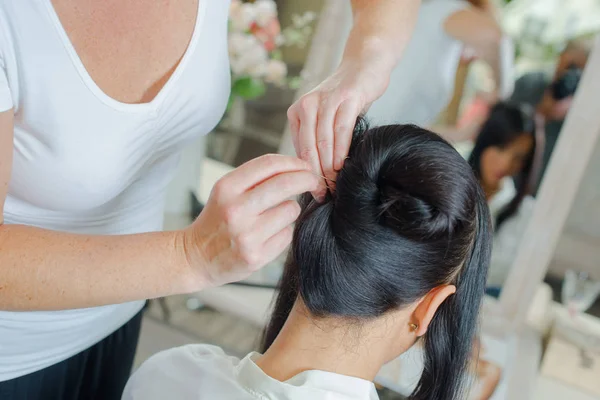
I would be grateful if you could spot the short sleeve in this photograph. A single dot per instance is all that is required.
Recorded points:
(6, 102)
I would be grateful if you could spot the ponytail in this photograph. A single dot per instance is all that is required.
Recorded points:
(288, 292)
(449, 338)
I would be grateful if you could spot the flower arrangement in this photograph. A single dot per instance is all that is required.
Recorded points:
(255, 42)
(541, 29)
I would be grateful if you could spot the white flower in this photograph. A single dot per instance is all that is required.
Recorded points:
(266, 11)
(247, 55)
(239, 42)
(309, 17)
(235, 6)
(276, 71)
(259, 70)
(280, 40)
(242, 17)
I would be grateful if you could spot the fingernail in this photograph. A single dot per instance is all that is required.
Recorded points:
(338, 164)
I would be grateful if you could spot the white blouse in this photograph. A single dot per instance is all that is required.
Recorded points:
(198, 372)
(510, 234)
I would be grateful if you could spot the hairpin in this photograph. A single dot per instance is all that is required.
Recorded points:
(322, 177)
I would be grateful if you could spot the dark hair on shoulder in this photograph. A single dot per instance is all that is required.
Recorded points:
(506, 122)
(407, 216)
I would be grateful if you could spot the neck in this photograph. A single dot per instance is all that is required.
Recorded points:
(330, 345)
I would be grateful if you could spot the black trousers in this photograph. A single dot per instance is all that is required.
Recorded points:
(98, 373)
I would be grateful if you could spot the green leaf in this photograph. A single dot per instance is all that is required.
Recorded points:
(230, 102)
(248, 88)
(294, 82)
(276, 55)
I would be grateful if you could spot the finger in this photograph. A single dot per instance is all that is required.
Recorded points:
(275, 219)
(277, 244)
(294, 121)
(276, 190)
(345, 120)
(258, 170)
(325, 139)
(307, 144)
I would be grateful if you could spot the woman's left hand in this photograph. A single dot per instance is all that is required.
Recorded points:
(322, 120)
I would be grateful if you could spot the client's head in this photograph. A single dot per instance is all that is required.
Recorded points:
(505, 147)
(405, 238)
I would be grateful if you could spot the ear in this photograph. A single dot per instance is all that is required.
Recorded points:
(428, 306)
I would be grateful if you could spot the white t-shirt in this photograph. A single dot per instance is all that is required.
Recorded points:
(86, 163)
(422, 83)
(198, 372)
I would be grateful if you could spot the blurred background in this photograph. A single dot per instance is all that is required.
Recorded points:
(271, 64)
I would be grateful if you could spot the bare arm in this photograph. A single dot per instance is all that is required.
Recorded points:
(47, 270)
(42, 269)
(479, 30)
(380, 32)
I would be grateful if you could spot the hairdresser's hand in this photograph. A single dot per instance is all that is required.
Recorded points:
(322, 120)
(248, 219)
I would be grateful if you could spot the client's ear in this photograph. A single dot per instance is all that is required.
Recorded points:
(428, 306)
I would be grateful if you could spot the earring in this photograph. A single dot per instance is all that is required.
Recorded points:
(413, 327)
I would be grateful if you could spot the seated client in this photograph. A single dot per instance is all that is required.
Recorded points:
(399, 252)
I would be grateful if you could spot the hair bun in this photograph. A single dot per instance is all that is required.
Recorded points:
(395, 183)
(410, 215)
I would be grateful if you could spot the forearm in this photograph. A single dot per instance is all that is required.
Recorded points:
(492, 57)
(499, 55)
(47, 270)
(380, 32)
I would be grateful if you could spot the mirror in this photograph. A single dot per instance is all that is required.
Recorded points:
(578, 249)
(457, 94)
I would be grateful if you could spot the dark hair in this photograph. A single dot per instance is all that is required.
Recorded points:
(506, 122)
(407, 216)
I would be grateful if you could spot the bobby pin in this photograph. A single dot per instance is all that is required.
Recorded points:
(322, 177)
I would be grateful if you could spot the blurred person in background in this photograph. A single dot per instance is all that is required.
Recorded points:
(97, 101)
(552, 96)
(504, 159)
(423, 83)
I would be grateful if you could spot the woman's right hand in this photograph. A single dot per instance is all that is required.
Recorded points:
(247, 221)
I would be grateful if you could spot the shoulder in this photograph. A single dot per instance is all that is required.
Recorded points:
(190, 356)
(179, 372)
